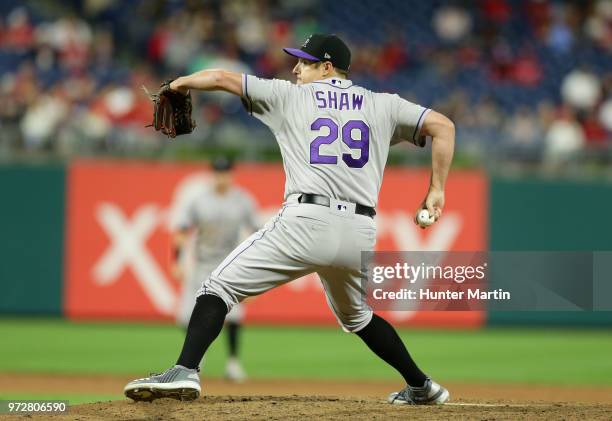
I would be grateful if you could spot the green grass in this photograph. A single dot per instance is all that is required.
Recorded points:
(538, 356)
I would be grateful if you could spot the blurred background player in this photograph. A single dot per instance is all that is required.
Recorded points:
(216, 218)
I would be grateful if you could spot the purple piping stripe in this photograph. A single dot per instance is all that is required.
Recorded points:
(334, 86)
(418, 126)
(246, 93)
(252, 242)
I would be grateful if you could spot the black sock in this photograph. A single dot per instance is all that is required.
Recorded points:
(384, 341)
(233, 330)
(204, 326)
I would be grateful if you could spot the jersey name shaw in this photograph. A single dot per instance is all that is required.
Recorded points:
(328, 129)
(338, 101)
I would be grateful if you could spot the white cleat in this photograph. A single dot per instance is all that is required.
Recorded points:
(234, 371)
(431, 393)
(177, 382)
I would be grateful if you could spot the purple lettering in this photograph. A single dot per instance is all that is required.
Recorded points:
(320, 97)
(332, 98)
(315, 156)
(362, 144)
(357, 101)
(344, 102)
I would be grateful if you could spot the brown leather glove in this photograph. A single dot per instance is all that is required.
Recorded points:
(171, 111)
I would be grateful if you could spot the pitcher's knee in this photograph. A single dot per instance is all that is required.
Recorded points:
(354, 322)
(222, 290)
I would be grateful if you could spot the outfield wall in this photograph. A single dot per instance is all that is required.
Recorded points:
(118, 238)
(108, 256)
(32, 239)
(555, 215)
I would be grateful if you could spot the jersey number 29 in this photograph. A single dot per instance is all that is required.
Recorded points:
(362, 144)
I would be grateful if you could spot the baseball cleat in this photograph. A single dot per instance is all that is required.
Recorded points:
(429, 394)
(178, 382)
(234, 371)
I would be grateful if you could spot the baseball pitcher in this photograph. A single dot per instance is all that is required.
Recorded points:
(216, 217)
(334, 138)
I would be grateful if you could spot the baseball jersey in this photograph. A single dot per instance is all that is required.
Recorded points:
(218, 220)
(334, 136)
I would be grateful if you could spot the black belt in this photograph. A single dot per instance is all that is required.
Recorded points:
(317, 199)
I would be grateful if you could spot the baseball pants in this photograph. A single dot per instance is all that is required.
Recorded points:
(302, 238)
(189, 292)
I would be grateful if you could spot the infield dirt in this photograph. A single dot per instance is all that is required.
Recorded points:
(313, 399)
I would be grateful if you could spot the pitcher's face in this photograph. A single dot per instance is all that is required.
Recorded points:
(307, 71)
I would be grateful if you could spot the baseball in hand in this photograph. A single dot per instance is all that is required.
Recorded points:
(424, 219)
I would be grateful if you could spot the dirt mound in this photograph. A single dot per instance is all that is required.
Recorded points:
(321, 408)
(293, 399)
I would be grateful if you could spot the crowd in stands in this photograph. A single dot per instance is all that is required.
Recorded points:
(529, 80)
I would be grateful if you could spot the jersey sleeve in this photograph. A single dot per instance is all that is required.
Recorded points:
(408, 120)
(264, 98)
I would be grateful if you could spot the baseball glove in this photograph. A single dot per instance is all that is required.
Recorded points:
(171, 111)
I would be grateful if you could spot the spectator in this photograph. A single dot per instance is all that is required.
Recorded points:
(158, 43)
(43, 118)
(497, 11)
(599, 25)
(452, 23)
(560, 37)
(564, 139)
(92, 71)
(581, 89)
(392, 57)
(605, 116)
(538, 13)
(251, 25)
(524, 128)
(501, 61)
(527, 70)
(183, 42)
(71, 37)
(594, 133)
(19, 33)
